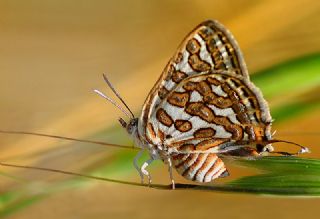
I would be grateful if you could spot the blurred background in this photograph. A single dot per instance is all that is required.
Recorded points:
(53, 54)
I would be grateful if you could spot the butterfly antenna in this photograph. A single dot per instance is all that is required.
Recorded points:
(302, 148)
(114, 103)
(117, 94)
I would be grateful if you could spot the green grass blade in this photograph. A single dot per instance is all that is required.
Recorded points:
(294, 76)
(294, 109)
(281, 176)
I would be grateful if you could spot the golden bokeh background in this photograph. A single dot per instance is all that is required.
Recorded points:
(53, 54)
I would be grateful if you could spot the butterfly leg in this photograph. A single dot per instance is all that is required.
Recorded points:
(135, 164)
(145, 172)
(170, 172)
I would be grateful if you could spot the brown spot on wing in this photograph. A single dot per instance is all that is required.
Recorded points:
(212, 46)
(183, 125)
(220, 102)
(223, 103)
(178, 99)
(190, 86)
(206, 33)
(201, 110)
(207, 144)
(193, 46)
(239, 110)
(197, 64)
(178, 58)
(213, 81)
(164, 118)
(163, 92)
(203, 88)
(204, 133)
(170, 71)
(235, 130)
(186, 148)
(151, 130)
(178, 76)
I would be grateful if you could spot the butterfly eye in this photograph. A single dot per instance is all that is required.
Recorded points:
(132, 125)
(134, 122)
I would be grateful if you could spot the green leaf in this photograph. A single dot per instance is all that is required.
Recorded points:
(293, 110)
(282, 176)
(294, 76)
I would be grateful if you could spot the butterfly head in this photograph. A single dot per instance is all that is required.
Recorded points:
(131, 127)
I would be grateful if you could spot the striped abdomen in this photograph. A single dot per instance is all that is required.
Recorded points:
(199, 167)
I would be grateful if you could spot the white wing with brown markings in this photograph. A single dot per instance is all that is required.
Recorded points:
(204, 104)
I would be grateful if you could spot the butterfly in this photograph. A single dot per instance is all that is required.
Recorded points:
(202, 108)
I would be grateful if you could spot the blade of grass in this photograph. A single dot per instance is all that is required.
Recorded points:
(296, 75)
(294, 109)
(281, 176)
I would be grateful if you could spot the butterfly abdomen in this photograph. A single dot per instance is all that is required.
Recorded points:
(203, 167)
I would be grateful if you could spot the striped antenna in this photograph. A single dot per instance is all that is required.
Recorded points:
(117, 94)
(113, 103)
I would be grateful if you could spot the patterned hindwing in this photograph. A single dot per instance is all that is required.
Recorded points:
(202, 167)
(210, 46)
(207, 112)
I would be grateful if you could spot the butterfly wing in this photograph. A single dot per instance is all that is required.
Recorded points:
(203, 167)
(208, 108)
(208, 47)
(209, 114)
(204, 104)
